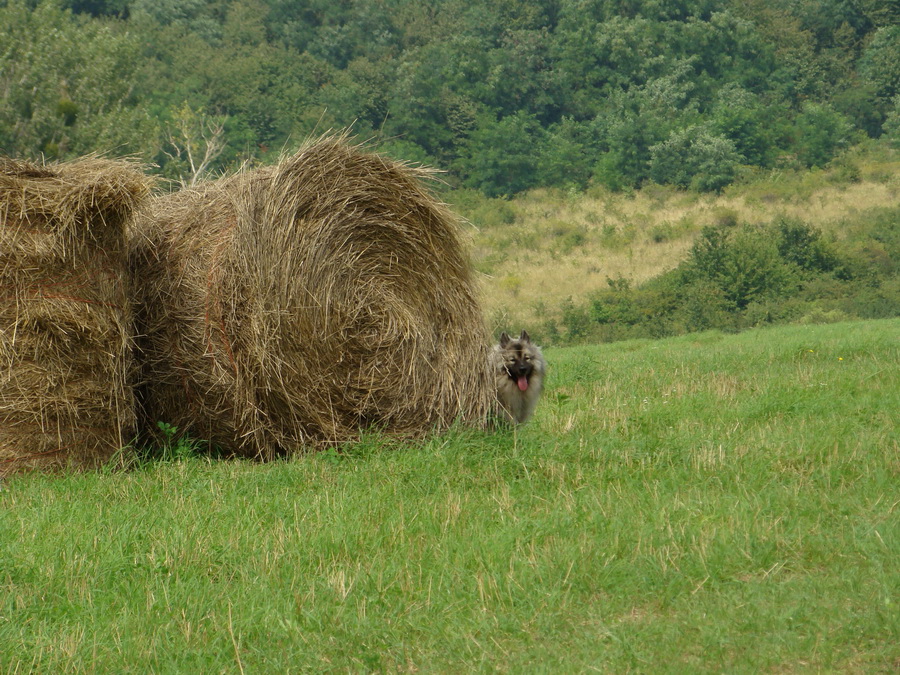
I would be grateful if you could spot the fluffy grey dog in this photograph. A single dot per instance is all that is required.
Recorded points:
(519, 369)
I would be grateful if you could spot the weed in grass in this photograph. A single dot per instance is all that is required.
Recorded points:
(661, 233)
(172, 446)
(725, 217)
(512, 283)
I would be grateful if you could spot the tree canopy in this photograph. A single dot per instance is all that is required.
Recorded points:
(505, 96)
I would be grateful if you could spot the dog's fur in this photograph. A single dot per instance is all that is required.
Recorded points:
(519, 368)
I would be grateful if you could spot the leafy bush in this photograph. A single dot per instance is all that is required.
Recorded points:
(741, 117)
(802, 245)
(892, 123)
(725, 217)
(885, 229)
(703, 305)
(576, 319)
(745, 266)
(693, 157)
(568, 235)
(483, 211)
(821, 131)
(499, 157)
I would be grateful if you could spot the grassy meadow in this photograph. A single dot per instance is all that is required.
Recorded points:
(706, 503)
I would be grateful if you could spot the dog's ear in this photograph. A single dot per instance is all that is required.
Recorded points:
(524, 337)
(504, 339)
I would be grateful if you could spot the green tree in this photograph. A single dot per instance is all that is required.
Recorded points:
(521, 76)
(803, 246)
(694, 157)
(267, 94)
(744, 265)
(435, 100)
(595, 59)
(879, 12)
(499, 158)
(568, 155)
(797, 72)
(637, 120)
(725, 49)
(359, 95)
(892, 123)
(741, 116)
(66, 85)
(194, 140)
(617, 90)
(195, 16)
(880, 63)
(99, 7)
(820, 132)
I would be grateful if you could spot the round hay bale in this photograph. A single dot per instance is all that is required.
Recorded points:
(294, 305)
(65, 321)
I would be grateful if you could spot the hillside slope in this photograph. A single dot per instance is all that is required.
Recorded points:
(545, 247)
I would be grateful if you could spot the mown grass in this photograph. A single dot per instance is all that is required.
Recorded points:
(707, 503)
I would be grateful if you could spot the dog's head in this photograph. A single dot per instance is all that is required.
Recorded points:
(520, 359)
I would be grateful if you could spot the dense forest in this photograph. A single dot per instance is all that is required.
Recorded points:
(504, 96)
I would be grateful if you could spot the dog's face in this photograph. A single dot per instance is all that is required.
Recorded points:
(519, 368)
(519, 359)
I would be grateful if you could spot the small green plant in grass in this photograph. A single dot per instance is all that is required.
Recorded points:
(331, 456)
(567, 236)
(172, 447)
(725, 217)
(511, 283)
(661, 233)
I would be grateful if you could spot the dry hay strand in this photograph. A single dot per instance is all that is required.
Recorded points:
(65, 321)
(291, 306)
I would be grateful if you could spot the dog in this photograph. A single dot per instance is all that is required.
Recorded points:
(519, 368)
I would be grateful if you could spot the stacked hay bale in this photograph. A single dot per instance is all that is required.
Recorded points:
(297, 304)
(64, 317)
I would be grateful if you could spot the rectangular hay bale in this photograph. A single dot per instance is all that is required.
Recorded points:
(65, 320)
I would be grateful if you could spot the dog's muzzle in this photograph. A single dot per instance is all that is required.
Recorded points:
(520, 375)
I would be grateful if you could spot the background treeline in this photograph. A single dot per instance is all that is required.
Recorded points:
(505, 95)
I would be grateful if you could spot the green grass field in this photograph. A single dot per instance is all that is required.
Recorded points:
(710, 503)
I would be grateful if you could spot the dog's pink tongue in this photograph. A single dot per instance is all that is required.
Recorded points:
(523, 383)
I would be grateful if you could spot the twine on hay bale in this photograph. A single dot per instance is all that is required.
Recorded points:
(64, 312)
(293, 305)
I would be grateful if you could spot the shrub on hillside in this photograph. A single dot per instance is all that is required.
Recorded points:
(892, 123)
(481, 211)
(744, 265)
(802, 245)
(820, 132)
(885, 230)
(694, 158)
